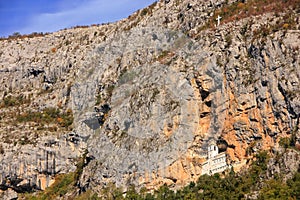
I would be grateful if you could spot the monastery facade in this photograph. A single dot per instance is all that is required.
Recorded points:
(216, 162)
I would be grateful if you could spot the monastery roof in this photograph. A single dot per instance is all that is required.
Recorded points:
(212, 142)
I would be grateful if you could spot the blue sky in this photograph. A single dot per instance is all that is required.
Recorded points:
(27, 16)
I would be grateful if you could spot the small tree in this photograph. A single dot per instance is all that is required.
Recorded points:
(16, 34)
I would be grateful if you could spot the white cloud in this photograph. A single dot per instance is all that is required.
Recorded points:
(83, 13)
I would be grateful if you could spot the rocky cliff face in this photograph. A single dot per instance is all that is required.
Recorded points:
(147, 93)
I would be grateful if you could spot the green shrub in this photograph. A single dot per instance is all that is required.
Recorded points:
(144, 12)
(9, 101)
(285, 142)
(61, 186)
(88, 195)
(110, 90)
(98, 100)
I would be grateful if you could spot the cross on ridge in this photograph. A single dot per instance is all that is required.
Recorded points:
(218, 19)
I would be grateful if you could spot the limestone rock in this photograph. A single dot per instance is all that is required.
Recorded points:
(9, 195)
(146, 94)
(288, 164)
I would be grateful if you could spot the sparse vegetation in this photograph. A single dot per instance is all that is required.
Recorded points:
(290, 142)
(88, 195)
(139, 15)
(165, 56)
(9, 101)
(63, 184)
(98, 100)
(48, 116)
(287, 22)
(228, 40)
(79, 167)
(239, 10)
(1, 149)
(53, 50)
(144, 12)
(18, 35)
(231, 186)
(285, 142)
(148, 10)
(110, 90)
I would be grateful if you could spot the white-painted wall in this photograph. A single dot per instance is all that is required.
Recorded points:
(216, 162)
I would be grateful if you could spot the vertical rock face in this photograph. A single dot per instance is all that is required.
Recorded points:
(37, 76)
(28, 167)
(146, 95)
(288, 164)
(164, 109)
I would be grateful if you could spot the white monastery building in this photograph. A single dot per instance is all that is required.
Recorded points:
(216, 162)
